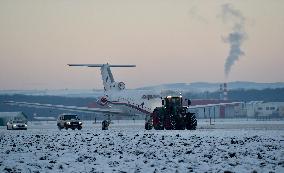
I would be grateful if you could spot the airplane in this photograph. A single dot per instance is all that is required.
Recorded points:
(130, 102)
(115, 101)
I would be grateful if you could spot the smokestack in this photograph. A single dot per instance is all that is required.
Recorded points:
(221, 92)
(225, 92)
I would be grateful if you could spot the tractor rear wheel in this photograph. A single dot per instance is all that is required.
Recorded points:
(191, 122)
(158, 119)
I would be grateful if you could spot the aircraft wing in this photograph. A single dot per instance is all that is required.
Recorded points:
(65, 108)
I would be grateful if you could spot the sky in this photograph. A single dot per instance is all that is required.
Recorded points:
(170, 41)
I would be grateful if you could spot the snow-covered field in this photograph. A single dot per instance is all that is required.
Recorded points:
(236, 146)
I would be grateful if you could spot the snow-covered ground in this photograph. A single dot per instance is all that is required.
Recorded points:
(237, 146)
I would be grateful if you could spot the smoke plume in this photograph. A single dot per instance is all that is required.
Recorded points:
(236, 37)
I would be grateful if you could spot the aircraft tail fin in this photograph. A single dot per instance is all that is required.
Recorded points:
(107, 77)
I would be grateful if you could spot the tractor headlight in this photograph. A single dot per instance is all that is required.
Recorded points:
(26, 125)
(80, 122)
(68, 123)
(14, 125)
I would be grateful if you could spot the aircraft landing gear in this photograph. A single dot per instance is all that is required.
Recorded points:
(105, 125)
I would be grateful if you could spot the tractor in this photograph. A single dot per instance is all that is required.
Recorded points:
(171, 116)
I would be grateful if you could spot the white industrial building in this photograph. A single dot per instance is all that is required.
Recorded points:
(218, 109)
(270, 109)
(253, 109)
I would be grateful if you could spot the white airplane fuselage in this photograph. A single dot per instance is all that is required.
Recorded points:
(134, 102)
(130, 102)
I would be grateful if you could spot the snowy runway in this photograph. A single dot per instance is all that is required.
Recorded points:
(126, 148)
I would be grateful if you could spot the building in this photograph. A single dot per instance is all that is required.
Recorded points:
(211, 108)
(6, 116)
(252, 107)
(269, 109)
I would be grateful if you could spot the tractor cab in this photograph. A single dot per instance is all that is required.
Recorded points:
(171, 101)
(176, 101)
(174, 104)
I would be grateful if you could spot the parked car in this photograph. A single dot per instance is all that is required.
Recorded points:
(69, 121)
(17, 125)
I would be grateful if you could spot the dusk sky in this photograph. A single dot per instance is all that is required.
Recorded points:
(169, 41)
